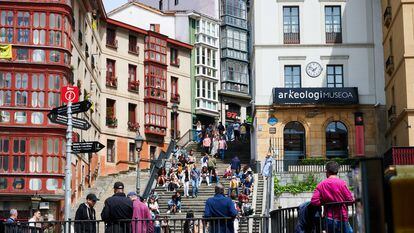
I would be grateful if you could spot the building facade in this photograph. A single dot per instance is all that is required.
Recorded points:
(146, 73)
(318, 79)
(235, 94)
(397, 44)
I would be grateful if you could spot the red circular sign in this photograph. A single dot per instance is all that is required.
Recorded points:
(69, 94)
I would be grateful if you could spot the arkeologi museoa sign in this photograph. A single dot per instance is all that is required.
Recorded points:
(337, 96)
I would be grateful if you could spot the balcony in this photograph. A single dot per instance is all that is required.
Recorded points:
(387, 16)
(389, 65)
(134, 50)
(111, 82)
(175, 62)
(111, 122)
(155, 130)
(333, 37)
(291, 38)
(175, 98)
(133, 86)
(112, 44)
(399, 156)
(133, 126)
(392, 114)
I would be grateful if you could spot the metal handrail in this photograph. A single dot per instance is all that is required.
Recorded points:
(159, 163)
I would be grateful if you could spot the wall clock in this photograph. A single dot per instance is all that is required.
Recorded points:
(314, 69)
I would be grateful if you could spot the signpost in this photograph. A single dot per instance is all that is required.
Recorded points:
(64, 120)
(87, 147)
(76, 108)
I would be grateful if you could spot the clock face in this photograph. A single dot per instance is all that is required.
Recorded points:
(314, 69)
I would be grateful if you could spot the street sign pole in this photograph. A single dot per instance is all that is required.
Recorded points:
(68, 169)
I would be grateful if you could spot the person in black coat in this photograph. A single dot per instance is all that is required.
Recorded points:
(117, 212)
(86, 211)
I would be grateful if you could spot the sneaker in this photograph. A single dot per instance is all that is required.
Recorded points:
(179, 211)
(168, 212)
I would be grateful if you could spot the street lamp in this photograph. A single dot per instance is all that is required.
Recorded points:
(174, 109)
(139, 140)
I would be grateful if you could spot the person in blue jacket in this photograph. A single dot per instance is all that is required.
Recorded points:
(220, 206)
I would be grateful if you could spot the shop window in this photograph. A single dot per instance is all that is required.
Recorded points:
(294, 140)
(51, 184)
(336, 140)
(35, 184)
(110, 151)
(18, 183)
(20, 117)
(3, 183)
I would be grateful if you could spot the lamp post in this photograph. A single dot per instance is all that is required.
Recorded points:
(139, 140)
(174, 109)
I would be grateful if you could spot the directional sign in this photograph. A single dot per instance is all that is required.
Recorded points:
(76, 108)
(87, 147)
(63, 120)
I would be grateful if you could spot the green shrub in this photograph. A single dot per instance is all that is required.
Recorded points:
(306, 185)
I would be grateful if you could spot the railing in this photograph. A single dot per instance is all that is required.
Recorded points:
(399, 156)
(291, 38)
(162, 224)
(310, 165)
(189, 136)
(333, 37)
(159, 163)
(336, 218)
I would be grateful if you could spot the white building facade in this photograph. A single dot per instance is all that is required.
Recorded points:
(323, 46)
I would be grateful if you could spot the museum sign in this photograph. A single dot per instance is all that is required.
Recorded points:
(337, 96)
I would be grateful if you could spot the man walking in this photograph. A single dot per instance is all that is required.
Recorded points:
(195, 180)
(117, 208)
(13, 216)
(86, 211)
(235, 164)
(220, 206)
(141, 217)
(332, 190)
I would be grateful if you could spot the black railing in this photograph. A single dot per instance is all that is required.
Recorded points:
(310, 165)
(333, 37)
(159, 163)
(291, 38)
(161, 224)
(330, 218)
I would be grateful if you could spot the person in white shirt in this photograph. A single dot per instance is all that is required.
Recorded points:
(33, 222)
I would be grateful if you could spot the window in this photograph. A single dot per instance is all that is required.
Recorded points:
(55, 33)
(174, 89)
(176, 2)
(3, 183)
(155, 118)
(18, 183)
(333, 27)
(39, 31)
(132, 73)
(292, 77)
(37, 118)
(132, 113)
(21, 85)
(335, 76)
(155, 49)
(234, 38)
(23, 27)
(155, 27)
(4, 163)
(291, 34)
(174, 57)
(111, 38)
(52, 165)
(235, 8)
(5, 86)
(336, 140)
(294, 140)
(111, 120)
(6, 26)
(132, 44)
(35, 184)
(131, 157)
(111, 80)
(39, 55)
(155, 82)
(19, 163)
(110, 151)
(235, 71)
(20, 117)
(51, 184)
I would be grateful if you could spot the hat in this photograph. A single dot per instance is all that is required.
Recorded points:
(92, 197)
(119, 185)
(130, 194)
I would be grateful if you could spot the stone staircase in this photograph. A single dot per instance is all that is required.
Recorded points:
(197, 205)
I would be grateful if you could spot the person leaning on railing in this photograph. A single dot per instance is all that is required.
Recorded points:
(333, 190)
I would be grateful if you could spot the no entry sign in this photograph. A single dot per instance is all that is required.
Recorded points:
(69, 94)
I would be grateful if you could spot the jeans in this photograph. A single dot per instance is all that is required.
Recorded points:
(337, 226)
(195, 184)
(231, 190)
(221, 152)
(217, 181)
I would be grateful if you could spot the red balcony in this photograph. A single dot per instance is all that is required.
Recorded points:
(155, 130)
(175, 98)
(133, 86)
(111, 82)
(399, 156)
(133, 126)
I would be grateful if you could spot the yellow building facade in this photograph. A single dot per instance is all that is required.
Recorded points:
(398, 42)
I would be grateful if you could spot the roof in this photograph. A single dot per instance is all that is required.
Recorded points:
(143, 6)
(145, 32)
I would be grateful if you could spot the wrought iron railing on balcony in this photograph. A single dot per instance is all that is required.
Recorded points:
(399, 156)
(387, 16)
(333, 37)
(291, 38)
(133, 86)
(389, 65)
(133, 49)
(310, 165)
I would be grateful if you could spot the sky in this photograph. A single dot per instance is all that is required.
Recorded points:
(112, 4)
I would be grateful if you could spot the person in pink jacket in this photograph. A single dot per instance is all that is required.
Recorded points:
(141, 217)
